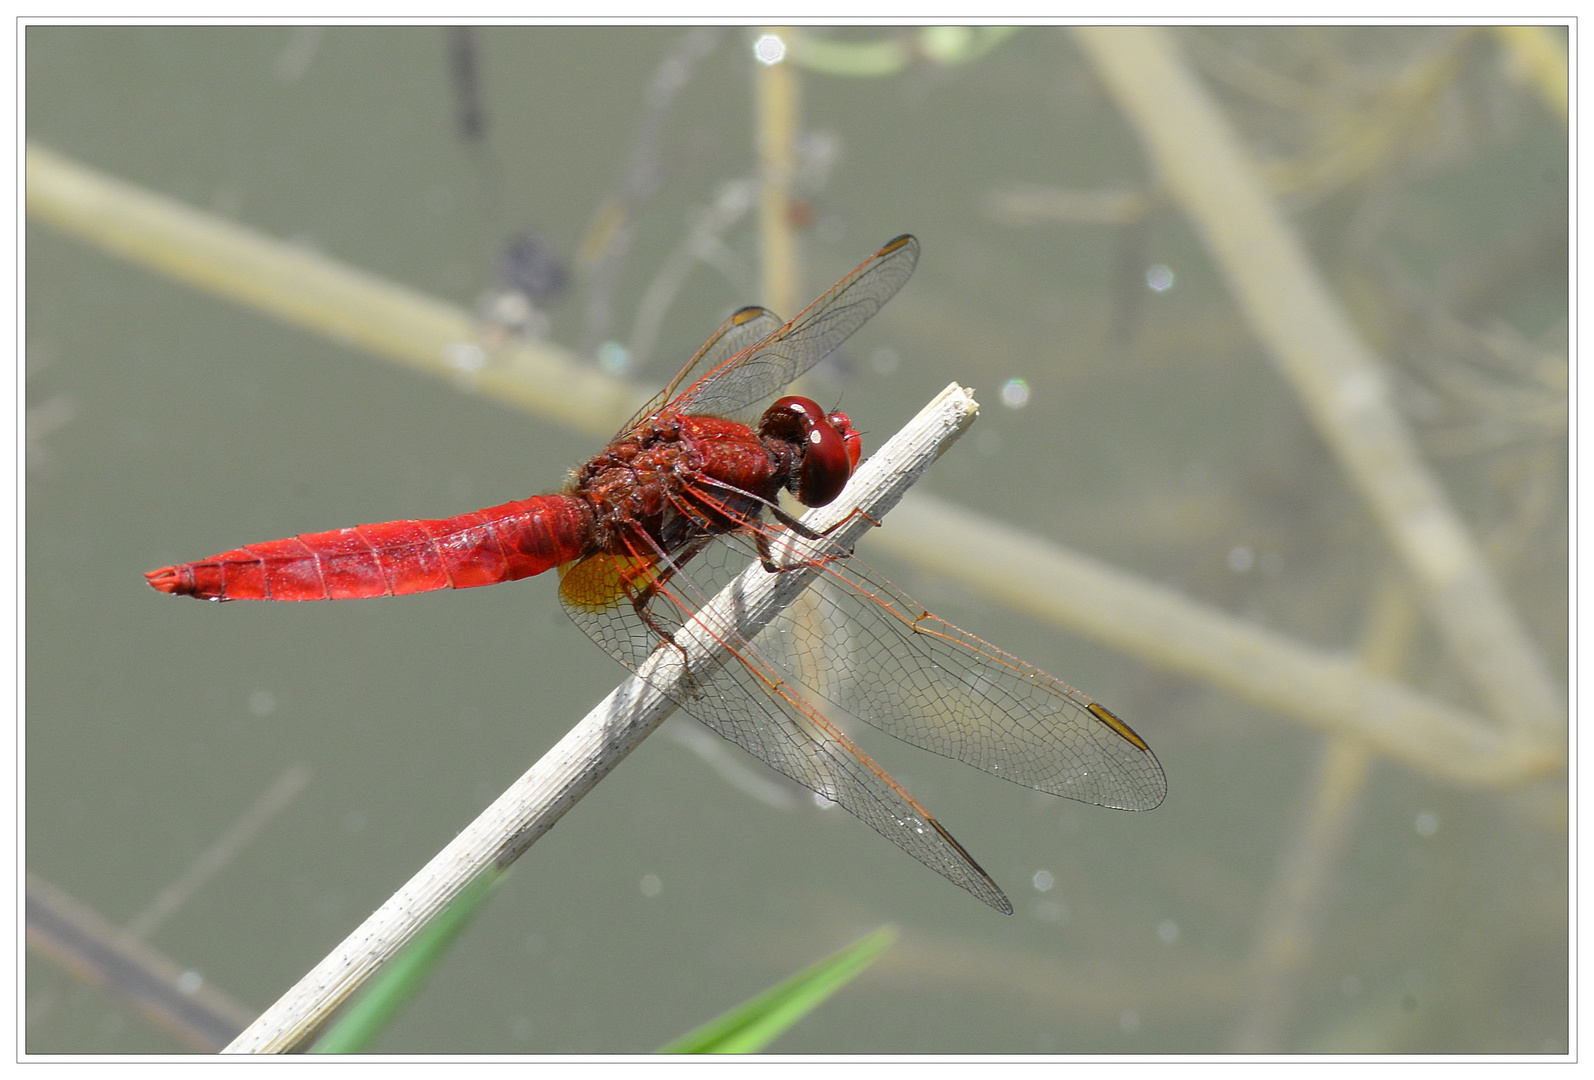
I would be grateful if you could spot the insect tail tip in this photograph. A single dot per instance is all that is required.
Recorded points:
(170, 580)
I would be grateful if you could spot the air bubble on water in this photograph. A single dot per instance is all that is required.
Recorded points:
(769, 49)
(1015, 393)
(614, 358)
(463, 356)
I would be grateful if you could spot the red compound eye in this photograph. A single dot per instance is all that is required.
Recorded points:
(830, 451)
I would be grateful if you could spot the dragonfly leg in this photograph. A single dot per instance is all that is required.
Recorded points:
(645, 590)
(809, 534)
(856, 511)
(766, 555)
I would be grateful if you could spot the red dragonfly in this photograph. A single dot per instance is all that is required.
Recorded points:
(654, 523)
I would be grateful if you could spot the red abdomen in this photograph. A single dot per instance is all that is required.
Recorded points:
(394, 558)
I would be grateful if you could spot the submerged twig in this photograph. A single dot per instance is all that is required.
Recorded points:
(1282, 945)
(701, 244)
(1534, 57)
(317, 292)
(1326, 690)
(216, 857)
(1340, 382)
(175, 999)
(609, 236)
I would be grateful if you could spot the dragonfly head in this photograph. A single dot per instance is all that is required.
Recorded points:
(831, 447)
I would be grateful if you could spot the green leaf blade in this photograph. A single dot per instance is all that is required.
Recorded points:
(756, 1023)
(402, 977)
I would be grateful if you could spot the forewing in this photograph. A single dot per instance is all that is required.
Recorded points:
(861, 645)
(747, 700)
(749, 378)
(746, 327)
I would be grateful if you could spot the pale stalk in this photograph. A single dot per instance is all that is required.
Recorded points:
(778, 104)
(1330, 691)
(305, 287)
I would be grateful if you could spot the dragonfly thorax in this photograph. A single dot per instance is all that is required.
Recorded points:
(675, 477)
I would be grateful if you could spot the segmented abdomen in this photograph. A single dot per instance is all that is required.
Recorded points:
(394, 558)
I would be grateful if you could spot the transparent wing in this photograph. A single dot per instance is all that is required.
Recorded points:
(863, 647)
(748, 701)
(749, 377)
(746, 327)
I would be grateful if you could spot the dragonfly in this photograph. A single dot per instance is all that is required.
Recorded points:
(681, 499)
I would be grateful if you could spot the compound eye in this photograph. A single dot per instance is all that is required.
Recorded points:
(826, 465)
(790, 418)
(829, 451)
